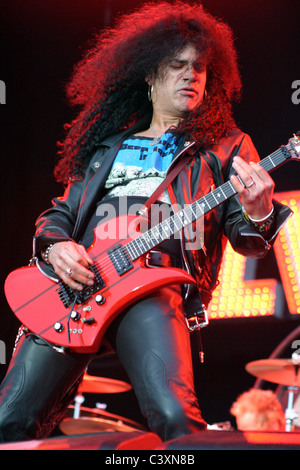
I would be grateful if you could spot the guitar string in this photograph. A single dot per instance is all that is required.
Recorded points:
(135, 247)
(107, 263)
(171, 221)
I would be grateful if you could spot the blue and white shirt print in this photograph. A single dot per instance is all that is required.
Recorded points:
(140, 166)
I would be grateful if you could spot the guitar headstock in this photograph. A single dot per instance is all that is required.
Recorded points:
(294, 146)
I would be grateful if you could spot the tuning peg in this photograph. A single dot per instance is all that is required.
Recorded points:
(296, 137)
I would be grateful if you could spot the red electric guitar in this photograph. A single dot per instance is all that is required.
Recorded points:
(79, 320)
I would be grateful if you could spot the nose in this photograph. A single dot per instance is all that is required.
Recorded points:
(189, 74)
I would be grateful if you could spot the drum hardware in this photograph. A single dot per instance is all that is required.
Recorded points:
(80, 420)
(92, 384)
(101, 406)
(290, 413)
(79, 400)
(283, 372)
(222, 426)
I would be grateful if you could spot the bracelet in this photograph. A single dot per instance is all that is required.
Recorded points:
(263, 225)
(260, 221)
(45, 253)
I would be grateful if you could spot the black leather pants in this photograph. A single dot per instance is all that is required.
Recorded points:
(38, 383)
(152, 342)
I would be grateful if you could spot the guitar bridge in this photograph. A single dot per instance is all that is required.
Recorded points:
(67, 295)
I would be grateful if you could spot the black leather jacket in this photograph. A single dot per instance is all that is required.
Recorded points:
(69, 214)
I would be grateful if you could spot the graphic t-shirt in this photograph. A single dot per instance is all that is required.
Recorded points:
(140, 166)
(138, 169)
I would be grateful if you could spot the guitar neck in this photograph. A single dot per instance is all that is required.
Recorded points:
(181, 219)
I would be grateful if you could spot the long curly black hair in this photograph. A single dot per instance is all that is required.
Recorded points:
(109, 82)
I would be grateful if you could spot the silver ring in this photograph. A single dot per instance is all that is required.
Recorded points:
(68, 272)
(251, 184)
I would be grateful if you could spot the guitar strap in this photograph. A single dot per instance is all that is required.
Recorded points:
(198, 318)
(165, 183)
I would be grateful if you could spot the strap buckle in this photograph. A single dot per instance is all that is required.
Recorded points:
(155, 259)
(198, 320)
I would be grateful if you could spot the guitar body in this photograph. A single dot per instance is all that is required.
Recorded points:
(36, 302)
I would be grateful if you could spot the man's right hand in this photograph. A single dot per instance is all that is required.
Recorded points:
(71, 262)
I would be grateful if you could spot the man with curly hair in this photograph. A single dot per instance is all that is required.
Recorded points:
(258, 410)
(154, 91)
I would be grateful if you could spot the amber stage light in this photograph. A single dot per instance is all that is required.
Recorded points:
(287, 250)
(236, 297)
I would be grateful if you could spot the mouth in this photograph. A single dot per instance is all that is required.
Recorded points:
(188, 91)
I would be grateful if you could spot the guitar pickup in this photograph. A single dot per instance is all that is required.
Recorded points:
(120, 259)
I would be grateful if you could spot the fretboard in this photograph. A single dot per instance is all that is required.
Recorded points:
(181, 219)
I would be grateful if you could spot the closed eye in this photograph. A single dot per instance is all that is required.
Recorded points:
(178, 64)
(181, 64)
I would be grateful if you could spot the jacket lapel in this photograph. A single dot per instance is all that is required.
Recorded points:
(98, 171)
(92, 189)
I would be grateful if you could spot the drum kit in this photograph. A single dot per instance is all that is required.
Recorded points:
(281, 372)
(82, 420)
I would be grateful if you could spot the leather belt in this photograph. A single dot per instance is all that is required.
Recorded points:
(159, 259)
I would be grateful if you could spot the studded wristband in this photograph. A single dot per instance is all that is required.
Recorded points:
(45, 253)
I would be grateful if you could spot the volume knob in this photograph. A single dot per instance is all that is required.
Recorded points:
(75, 315)
(58, 327)
(99, 299)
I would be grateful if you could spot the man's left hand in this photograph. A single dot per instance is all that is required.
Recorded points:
(257, 192)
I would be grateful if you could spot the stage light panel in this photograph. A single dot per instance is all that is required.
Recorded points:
(287, 250)
(236, 298)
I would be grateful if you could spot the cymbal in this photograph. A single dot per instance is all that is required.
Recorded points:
(96, 421)
(93, 425)
(279, 371)
(92, 384)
